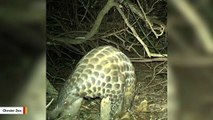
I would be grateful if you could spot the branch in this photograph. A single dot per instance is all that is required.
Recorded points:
(141, 13)
(93, 31)
(136, 35)
(99, 18)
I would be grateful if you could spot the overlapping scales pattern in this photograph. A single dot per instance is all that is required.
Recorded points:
(103, 72)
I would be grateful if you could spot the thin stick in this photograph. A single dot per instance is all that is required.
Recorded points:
(149, 60)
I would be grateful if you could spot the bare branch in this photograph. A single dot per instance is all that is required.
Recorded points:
(98, 20)
(136, 35)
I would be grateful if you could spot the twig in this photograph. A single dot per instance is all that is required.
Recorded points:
(152, 7)
(134, 31)
(121, 39)
(86, 9)
(162, 27)
(136, 35)
(49, 103)
(116, 32)
(154, 75)
(136, 51)
(55, 77)
(141, 13)
(93, 31)
(98, 20)
(149, 60)
(109, 41)
(155, 85)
